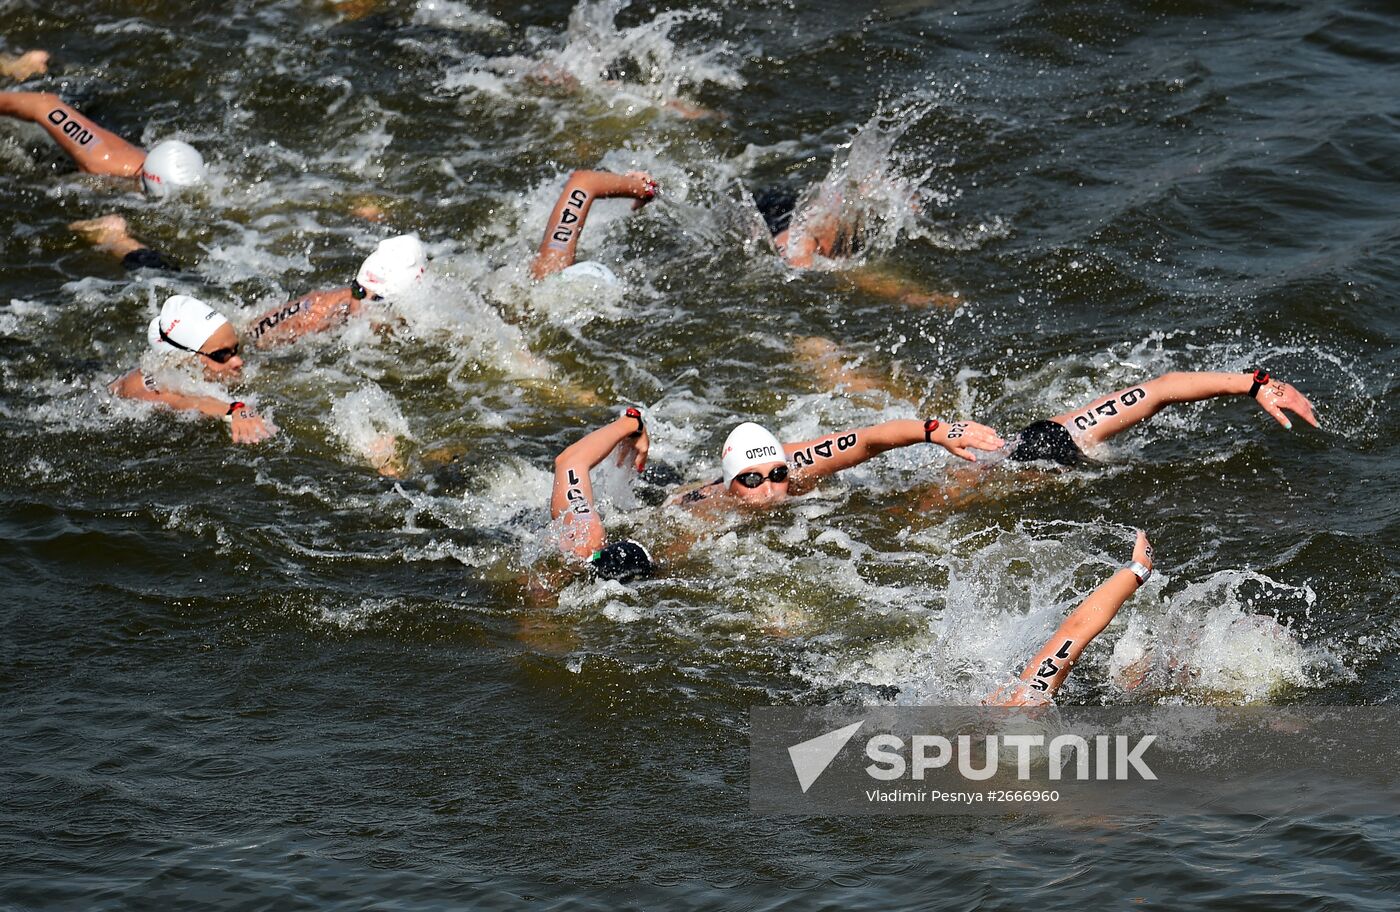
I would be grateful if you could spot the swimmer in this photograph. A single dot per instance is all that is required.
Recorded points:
(760, 471)
(823, 230)
(1064, 438)
(1045, 672)
(189, 326)
(616, 76)
(571, 503)
(110, 234)
(20, 67)
(170, 166)
(395, 267)
(560, 245)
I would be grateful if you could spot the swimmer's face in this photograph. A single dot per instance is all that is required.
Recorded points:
(219, 345)
(768, 490)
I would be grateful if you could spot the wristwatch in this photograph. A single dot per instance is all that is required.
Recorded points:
(1139, 570)
(1261, 377)
(633, 412)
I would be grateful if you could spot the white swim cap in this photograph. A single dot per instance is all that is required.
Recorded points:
(185, 322)
(749, 445)
(171, 166)
(589, 270)
(396, 264)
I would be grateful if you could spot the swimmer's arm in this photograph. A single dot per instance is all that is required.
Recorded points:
(96, 150)
(799, 252)
(245, 425)
(561, 235)
(1049, 668)
(312, 313)
(695, 493)
(1120, 410)
(572, 496)
(136, 385)
(826, 455)
(874, 281)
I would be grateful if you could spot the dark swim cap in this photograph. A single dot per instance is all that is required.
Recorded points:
(776, 205)
(1047, 440)
(623, 561)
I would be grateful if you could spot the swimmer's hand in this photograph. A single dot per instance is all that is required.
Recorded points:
(642, 187)
(1142, 550)
(1278, 396)
(637, 448)
(249, 427)
(961, 437)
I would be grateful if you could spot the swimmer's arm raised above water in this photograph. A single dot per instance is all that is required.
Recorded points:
(813, 459)
(245, 425)
(1048, 669)
(561, 234)
(96, 151)
(311, 313)
(1120, 410)
(572, 497)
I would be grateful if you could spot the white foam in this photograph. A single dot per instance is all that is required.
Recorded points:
(369, 423)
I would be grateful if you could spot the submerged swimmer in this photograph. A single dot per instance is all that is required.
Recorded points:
(825, 230)
(110, 234)
(395, 267)
(571, 504)
(1064, 437)
(20, 67)
(1048, 669)
(169, 166)
(758, 470)
(559, 248)
(187, 325)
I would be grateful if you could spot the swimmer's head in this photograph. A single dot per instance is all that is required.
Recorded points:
(170, 167)
(187, 324)
(589, 271)
(395, 266)
(1046, 440)
(776, 205)
(623, 561)
(755, 466)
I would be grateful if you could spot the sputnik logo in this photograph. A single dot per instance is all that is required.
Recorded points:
(811, 758)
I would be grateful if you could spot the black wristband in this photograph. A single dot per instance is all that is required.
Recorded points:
(1261, 378)
(634, 412)
(930, 426)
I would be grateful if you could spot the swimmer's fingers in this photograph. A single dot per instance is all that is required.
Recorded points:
(977, 437)
(1297, 403)
(962, 453)
(1278, 396)
(250, 429)
(644, 188)
(1142, 550)
(643, 447)
(982, 437)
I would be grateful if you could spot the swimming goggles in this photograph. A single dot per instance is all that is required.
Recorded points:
(218, 355)
(777, 475)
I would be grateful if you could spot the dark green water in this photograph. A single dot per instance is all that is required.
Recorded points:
(267, 678)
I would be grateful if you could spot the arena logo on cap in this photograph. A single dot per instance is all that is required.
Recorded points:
(758, 452)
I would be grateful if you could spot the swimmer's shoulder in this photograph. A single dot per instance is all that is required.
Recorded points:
(698, 493)
(134, 384)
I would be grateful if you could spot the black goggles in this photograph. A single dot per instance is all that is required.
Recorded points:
(360, 292)
(777, 475)
(218, 355)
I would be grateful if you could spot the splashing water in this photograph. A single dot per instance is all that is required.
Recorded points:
(872, 193)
